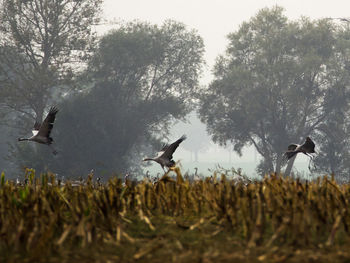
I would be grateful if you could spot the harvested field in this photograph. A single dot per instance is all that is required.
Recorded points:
(273, 220)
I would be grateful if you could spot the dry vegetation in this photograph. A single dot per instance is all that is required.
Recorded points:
(275, 220)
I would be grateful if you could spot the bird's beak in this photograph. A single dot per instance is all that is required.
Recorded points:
(172, 168)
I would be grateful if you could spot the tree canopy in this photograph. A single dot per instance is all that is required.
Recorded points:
(278, 82)
(42, 44)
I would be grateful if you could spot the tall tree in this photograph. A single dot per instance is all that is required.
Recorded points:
(43, 42)
(139, 80)
(271, 86)
(333, 155)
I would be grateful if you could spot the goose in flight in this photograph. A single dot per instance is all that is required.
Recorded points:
(165, 156)
(41, 132)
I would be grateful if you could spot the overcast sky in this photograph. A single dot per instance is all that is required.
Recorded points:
(214, 20)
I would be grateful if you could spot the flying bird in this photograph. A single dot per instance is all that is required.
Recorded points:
(41, 132)
(165, 156)
(306, 148)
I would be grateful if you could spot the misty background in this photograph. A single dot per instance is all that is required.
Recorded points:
(242, 80)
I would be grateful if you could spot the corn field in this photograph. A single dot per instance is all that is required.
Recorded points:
(214, 220)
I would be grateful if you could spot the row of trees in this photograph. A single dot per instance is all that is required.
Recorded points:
(118, 94)
(278, 82)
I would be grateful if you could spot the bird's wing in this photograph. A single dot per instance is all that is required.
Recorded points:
(289, 154)
(309, 144)
(36, 128)
(46, 126)
(160, 153)
(292, 147)
(164, 147)
(168, 153)
(292, 150)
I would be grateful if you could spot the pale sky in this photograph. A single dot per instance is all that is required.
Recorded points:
(214, 20)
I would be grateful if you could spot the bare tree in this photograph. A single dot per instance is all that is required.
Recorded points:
(42, 43)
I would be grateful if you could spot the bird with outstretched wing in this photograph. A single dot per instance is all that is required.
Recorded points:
(165, 156)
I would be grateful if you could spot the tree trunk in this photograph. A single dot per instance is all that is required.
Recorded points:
(279, 163)
(270, 164)
(196, 156)
(289, 166)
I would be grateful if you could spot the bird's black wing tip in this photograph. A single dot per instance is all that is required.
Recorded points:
(53, 110)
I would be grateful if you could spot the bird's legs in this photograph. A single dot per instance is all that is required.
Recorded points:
(310, 155)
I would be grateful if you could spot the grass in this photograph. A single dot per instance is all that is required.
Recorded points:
(273, 220)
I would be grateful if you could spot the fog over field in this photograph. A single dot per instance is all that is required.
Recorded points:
(214, 20)
(245, 81)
